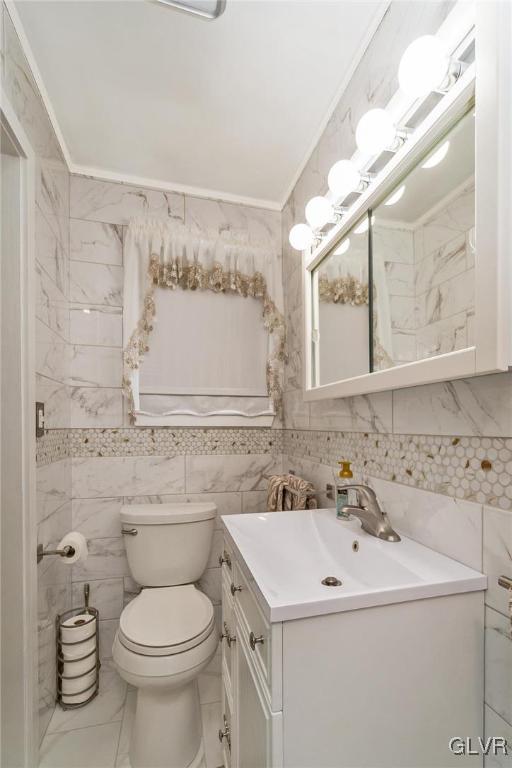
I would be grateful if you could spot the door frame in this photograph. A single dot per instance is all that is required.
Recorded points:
(25, 565)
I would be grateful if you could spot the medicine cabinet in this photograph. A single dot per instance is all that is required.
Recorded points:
(411, 284)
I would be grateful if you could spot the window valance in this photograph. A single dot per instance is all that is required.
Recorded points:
(166, 254)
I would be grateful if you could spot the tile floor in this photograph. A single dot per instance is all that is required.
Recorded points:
(98, 735)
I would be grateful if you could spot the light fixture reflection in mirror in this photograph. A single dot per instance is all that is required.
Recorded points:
(396, 196)
(363, 226)
(438, 156)
(343, 248)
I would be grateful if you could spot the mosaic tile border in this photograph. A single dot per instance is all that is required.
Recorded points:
(54, 445)
(472, 468)
(162, 441)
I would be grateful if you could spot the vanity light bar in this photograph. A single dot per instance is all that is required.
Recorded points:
(425, 68)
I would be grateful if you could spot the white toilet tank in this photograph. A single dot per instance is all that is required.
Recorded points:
(168, 544)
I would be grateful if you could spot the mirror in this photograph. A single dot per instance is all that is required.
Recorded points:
(340, 338)
(423, 237)
(417, 247)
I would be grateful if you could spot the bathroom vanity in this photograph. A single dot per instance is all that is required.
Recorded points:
(383, 668)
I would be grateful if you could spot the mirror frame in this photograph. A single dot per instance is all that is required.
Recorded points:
(492, 351)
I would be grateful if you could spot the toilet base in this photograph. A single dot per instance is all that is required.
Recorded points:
(167, 728)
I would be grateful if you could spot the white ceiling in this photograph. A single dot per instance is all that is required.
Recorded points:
(233, 105)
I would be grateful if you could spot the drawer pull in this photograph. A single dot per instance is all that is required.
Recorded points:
(253, 640)
(230, 639)
(225, 558)
(226, 733)
(234, 589)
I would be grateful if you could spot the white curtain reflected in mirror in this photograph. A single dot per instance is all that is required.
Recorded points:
(340, 310)
(424, 235)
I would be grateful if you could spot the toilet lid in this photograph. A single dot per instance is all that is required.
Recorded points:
(166, 620)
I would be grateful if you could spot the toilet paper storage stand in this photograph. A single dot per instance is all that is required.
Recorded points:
(93, 656)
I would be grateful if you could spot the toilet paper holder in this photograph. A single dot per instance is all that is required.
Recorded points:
(67, 551)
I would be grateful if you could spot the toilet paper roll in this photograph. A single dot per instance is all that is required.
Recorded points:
(79, 649)
(78, 542)
(77, 628)
(80, 667)
(79, 684)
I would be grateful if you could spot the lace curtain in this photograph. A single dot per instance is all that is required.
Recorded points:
(343, 279)
(166, 254)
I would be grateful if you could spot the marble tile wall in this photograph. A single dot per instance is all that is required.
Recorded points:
(100, 212)
(478, 408)
(235, 482)
(52, 344)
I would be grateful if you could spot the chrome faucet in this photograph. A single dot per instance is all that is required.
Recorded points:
(373, 519)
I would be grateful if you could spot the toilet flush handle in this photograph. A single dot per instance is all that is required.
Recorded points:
(129, 531)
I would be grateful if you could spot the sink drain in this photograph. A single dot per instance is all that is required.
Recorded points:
(331, 581)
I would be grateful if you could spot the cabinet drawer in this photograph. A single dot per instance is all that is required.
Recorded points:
(253, 623)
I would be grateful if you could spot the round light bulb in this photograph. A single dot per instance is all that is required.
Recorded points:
(301, 237)
(375, 132)
(343, 178)
(318, 212)
(423, 66)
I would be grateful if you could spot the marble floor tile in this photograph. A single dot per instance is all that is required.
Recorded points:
(126, 727)
(107, 707)
(94, 747)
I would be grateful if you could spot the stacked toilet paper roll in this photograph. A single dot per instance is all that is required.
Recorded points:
(79, 658)
(79, 655)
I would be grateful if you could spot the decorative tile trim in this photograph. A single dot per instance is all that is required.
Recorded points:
(471, 468)
(54, 445)
(162, 441)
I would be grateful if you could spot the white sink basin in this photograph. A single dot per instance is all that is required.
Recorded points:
(289, 553)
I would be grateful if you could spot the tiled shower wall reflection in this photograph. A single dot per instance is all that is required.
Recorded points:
(396, 438)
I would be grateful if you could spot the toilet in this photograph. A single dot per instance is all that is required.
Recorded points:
(166, 635)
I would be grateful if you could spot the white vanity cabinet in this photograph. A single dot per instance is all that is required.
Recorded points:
(386, 685)
(251, 672)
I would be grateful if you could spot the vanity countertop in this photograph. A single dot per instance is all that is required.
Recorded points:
(287, 554)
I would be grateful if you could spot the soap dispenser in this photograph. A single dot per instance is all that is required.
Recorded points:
(344, 474)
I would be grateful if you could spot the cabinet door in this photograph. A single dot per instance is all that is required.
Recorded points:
(258, 729)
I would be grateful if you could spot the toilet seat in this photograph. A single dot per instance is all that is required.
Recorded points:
(163, 621)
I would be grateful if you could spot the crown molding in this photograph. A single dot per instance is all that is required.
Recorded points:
(365, 42)
(36, 74)
(103, 174)
(165, 186)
